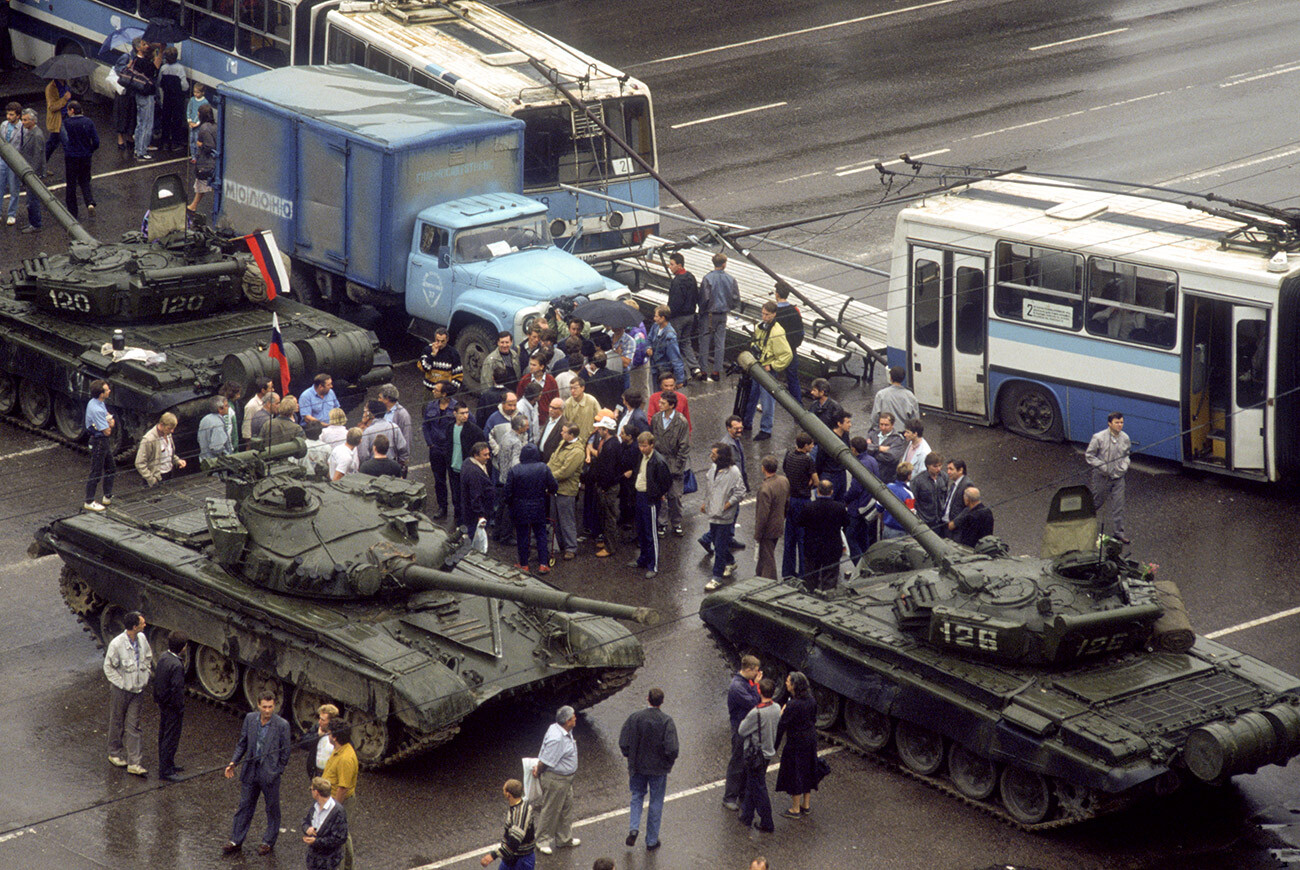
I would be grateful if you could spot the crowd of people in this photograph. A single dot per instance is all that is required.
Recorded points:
(158, 110)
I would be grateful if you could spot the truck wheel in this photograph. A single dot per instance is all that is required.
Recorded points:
(474, 342)
(302, 283)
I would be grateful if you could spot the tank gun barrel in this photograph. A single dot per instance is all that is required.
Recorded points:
(194, 272)
(828, 440)
(37, 188)
(252, 460)
(429, 578)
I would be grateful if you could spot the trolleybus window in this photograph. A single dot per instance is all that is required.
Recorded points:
(212, 21)
(1132, 303)
(1039, 285)
(970, 302)
(925, 303)
(156, 9)
(124, 5)
(554, 153)
(264, 30)
(345, 48)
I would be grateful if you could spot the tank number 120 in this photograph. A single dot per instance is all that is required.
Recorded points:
(957, 634)
(179, 304)
(69, 301)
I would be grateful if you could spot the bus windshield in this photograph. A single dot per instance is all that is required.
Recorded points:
(497, 240)
(562, 146)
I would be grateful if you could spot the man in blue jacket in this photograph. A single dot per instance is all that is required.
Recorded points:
(742, 696)
(79, 142)
(439, 418)
(649, 742)
(527, 490)
(263, 748)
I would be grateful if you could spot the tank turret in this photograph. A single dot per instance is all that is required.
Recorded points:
(338, 591)
(166, 315)
(1046, 689)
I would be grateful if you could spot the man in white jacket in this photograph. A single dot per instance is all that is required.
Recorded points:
(127, 665)
(724, 489)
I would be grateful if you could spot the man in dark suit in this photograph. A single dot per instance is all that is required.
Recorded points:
(886, 445)
(477, 490)
(549, 439)
(954, 502)
(465, 433)
(974, 522)
(263, 747)
(769, 516)
(822, 521)
(931, 492)
(325, 828)
(169, 693)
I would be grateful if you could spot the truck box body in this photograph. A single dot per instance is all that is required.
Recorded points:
(349, 158)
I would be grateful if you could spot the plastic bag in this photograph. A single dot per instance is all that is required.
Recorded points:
(532, 784)
(480, 542)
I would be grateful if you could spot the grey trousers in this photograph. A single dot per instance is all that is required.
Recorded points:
(673, 501)
(713, 334)
(685, 326)
(124, 719)
(566, 512)
(555, 818)
(1106, 488)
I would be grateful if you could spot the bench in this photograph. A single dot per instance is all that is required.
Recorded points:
(825, 352)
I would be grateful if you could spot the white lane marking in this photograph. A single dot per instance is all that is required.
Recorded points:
(30, 451)
(136, 168)
(1295, 67)
(798, 177)
(728, 115)
(1073, 114)
(604, 817)
(26, 564)
(1263, 620)
(893, 162)
(790, 33)
(1079, 39)
(1231, 167)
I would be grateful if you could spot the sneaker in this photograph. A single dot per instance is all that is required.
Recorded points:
(136, 769)
(116, 762)
(522, 567)
(543, 568)
(92, 506)
(569, 555)
(713, 585)
(572, 842)
(791, 814)
(678, 531)
(634, 564)
(651, 574)
(731, 805)
(144, 157)
(27, 231)
(663, 530)
(546, 848)
(602, 553)
(631, 838)
(105, 501)
(11, 221)
(90, 207)
(762, 436)
(729, 570)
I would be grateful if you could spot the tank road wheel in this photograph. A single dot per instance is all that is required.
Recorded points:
(866, 727)
(77, 594)
(218, 676)
(303, 709)
(36, 403)
(828, 706)
(474, 342)
(919, 748)
(70, 421)
(973, 776)
(369, 737)
(1029, 410)
(110, 623)
(1026, 795)
(8, 394)
(255, 682)
(1075, 800)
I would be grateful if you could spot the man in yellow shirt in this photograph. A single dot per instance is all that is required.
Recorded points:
(580, 409)
(341, 771)
(774, 354)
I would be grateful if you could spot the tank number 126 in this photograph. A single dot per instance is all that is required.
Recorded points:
(969, 636)
(69, 301)
(179, 304)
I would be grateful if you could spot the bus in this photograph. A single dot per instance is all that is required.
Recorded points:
(465, 48)
(1044, 306)
(476, 52)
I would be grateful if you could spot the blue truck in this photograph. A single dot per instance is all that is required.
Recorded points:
(387, 194)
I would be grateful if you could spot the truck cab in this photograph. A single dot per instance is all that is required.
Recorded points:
(483, 264)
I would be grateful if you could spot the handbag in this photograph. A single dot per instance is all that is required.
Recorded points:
(689, 483)
(754, 757)
(133, 81)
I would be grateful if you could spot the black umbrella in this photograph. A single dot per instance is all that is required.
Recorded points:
(66, 66)
(164, 30)
(608, 312)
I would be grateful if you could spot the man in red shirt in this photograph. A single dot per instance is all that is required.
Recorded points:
(537, 373)
(668, 383)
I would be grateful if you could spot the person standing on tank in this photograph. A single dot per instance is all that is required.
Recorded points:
(263, 749)
(127, 663)
(1108, 456)
(99, 423)
(317, 400)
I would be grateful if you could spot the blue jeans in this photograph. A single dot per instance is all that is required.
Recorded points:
(639, 783)
(756, 395)
(792, 380)
(720, 534)
(541, 531)
(10, 184)
(792, 555)
(524, 862)
(756, 800)
(143, 123)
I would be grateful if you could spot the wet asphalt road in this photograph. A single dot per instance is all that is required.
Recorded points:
(1183, 91)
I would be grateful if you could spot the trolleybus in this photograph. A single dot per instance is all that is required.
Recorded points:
(1045, 306)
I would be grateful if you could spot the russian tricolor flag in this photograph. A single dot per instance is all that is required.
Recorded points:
(276, 352)
(267, 255)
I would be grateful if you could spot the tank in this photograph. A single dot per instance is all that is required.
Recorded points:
(1044, 689)
(339, 591)
(188, 309)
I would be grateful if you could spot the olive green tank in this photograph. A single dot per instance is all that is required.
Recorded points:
(340, 592)
(1046, 690)
(188, 309)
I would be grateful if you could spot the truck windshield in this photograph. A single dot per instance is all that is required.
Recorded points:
(497, 240)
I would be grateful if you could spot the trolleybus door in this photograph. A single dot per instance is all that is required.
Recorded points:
(1250, 355)
(948, 312)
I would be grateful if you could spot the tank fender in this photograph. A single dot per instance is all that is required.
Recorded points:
(598, 641)
(851, 680)
(427, 698)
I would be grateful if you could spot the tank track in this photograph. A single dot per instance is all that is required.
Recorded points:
(940, 784)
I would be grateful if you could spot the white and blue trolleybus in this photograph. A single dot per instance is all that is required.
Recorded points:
(1045, 306)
